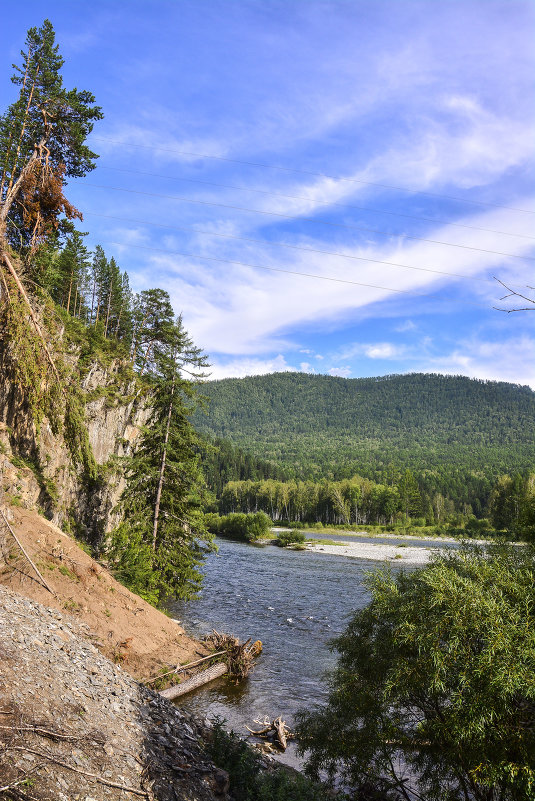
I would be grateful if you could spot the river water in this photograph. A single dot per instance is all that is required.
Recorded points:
(295, 602)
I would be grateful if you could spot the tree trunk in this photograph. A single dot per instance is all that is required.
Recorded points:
(199, 680)
(108, 309)
(162, 470)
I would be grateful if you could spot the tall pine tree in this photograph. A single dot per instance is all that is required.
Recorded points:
(162, 518)
(42, 137)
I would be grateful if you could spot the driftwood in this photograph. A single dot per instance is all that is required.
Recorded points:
(276, 730)
(238, 662)
(199, 680)
(182, 668)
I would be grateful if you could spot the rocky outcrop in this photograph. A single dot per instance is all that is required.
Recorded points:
(36, 464)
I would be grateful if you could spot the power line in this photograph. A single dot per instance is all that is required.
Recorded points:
(299, 219)
(316, 202)
(285, 245)
(309, 172)
(288, 272)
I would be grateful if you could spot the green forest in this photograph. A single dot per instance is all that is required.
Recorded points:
(456, 435)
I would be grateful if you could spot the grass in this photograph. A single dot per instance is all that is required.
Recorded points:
(64, 570)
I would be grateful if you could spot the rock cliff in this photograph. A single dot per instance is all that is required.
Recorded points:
(37, 468)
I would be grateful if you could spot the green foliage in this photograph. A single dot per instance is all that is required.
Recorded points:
(286, 538)
(249, 781)
(26, 361)
(351, 501)
(130, 560)
(48, 124)
(512, 505)
(456, 434)
(223, 462)
(239, 526)
(162, 502)
(436, 678)
(76, 434)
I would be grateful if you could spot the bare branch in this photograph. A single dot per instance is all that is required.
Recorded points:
(513, 293)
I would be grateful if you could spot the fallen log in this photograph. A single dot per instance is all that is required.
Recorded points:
(182, 668)
(199, 680)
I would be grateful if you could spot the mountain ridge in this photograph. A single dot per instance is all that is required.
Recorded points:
(332, 424)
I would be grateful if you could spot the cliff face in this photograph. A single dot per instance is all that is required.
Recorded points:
(36, 464)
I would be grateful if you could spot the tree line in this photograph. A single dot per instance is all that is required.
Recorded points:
(358, 501)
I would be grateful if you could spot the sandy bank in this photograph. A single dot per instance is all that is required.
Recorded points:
(126, 629)
(379, 552)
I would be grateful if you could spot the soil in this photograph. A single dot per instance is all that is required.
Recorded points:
(125, 628)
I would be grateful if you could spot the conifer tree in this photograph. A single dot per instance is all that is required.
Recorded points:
(72, 272)
(161, 504)
(42, 137)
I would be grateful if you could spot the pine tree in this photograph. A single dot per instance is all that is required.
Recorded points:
(72, 275)
(42, 137)
(162, 502)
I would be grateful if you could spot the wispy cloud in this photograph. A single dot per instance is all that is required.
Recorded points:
(511, 359)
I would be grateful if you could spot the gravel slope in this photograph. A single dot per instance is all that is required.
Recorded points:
(76, 727)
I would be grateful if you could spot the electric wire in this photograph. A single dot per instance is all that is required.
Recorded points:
(291, 272)
(309, 172)
(316, 202)
(286, 245)
(299, 219)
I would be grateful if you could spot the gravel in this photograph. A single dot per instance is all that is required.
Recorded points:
(52, 678)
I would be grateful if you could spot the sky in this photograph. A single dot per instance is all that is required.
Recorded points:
(327, 186)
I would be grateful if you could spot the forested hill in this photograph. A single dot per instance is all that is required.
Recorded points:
(317, 425)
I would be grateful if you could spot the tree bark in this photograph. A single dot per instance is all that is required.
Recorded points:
(199, 680)
(162, 470)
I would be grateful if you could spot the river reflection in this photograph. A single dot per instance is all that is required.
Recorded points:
(295, 602)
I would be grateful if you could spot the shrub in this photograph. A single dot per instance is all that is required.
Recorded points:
(240, 526)
(435, 684)
(130, 560)
(287, 538)
(249, 781)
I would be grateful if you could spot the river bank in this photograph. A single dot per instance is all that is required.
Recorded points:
(375, 551)
(401, 548)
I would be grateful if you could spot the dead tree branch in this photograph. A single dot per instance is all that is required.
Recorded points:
(95, 776)
(512, 293)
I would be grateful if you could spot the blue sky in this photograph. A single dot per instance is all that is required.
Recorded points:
(380, 125)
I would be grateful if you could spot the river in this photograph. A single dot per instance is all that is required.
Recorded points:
(295, 602)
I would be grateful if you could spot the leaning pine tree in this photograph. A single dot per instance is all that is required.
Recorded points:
(160, 545)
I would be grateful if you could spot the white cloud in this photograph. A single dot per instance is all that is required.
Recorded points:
(238, 368)
(306, 367)
(383, 350)
(340, 372)
(511, 359)
(374, 350)
(408, 325)
(235, 309)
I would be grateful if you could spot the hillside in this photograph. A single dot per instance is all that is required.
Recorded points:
(76, 726)
(316, 425)
(124, 627)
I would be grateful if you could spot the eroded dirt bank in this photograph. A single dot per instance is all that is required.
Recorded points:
(127, 629)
